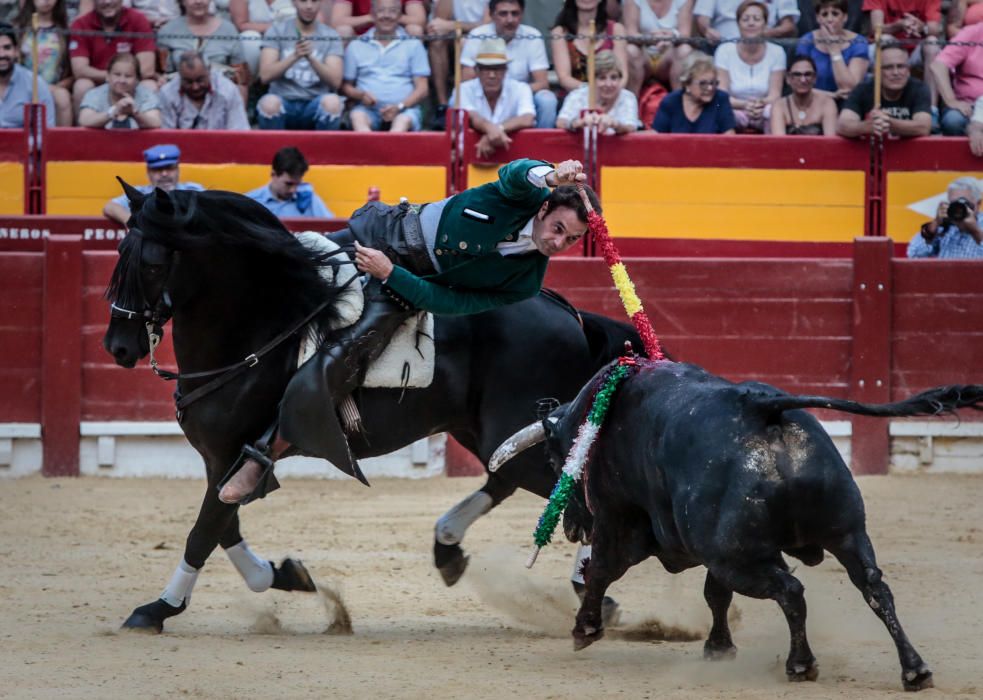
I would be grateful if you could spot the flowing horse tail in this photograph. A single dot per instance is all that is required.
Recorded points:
(941, 400)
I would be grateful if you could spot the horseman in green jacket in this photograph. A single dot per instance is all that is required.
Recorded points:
(478, 250)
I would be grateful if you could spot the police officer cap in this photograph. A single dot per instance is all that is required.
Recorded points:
(162, 156)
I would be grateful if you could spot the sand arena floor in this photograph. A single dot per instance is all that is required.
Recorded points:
(79, 555)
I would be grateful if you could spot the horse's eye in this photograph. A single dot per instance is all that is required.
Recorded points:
(155, 270)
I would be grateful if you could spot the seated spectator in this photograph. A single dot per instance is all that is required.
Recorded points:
(91, 53)
(570, 50)
(975, 129)
(253, 18)
(496, 104)
(957, 229)
(698, 107)
(121, 102)
(386, 74)
(717, 20)
(200, 30)
(805, 111)
(199, 98)
(963, 13)
(958, 77)
(655, 24)
(52, 48)
(470, 14)
(751, 71)
(287, 195)
(302, 63)
(617, 108)
(157, 12)
(354, 17)
(840, 56)
(16, 84)
(527, 56)
(914, 24)
(905, 104)
(163, 171)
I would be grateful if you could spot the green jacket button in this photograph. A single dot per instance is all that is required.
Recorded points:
(463, 245)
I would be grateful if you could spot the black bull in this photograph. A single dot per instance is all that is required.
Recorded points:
(695, 470)
(223, 265)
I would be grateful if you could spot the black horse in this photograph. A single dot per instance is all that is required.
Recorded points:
(236, 284)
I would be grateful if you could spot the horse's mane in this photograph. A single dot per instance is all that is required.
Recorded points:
(186, 220)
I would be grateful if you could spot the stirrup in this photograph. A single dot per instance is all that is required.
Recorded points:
(267, 480)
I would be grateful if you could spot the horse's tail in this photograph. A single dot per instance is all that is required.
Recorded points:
(933, 402)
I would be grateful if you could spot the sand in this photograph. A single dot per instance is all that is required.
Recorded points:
(78, 555)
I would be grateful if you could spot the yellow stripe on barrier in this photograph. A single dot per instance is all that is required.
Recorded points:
(11, 188)
(905, 189)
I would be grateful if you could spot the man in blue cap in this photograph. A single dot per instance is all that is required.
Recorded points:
(163, 171)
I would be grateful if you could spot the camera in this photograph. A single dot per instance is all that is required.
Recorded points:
(959, 209)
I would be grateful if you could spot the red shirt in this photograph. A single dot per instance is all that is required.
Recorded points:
(364, 7)
(100, 49)
(895, 10)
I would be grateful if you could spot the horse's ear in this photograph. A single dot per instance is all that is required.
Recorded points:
(163, 200)
(135, 196)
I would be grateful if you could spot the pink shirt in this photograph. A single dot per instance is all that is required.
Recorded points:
(965, 63)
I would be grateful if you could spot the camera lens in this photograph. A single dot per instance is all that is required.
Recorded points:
(957, 211)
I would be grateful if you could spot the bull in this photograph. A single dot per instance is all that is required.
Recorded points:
(696, 470)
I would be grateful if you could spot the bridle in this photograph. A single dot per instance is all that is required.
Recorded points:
(154, 317)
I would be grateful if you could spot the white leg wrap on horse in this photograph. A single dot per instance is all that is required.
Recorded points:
(258, 573)
(583, 552)
(454, 523)
(179, 588)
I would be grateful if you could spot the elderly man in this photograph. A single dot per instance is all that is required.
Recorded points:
(957, 229)
(199, 98)
(386, 73)
(301, 62)
(91, 51)
(958, 76)
(905, 103)
(476, 251)
(286, 194)
(527, 55)
(163, 171)
(497, 105)
(15, 85)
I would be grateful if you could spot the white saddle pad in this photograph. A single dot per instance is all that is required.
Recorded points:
(408, 360)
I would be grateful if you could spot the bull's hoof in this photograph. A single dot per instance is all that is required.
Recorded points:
(292, 575)
(797, 673)
(917, 680)
(719, 652)
(610, 612)
(150, 617)
(450, 562)
(583, 637)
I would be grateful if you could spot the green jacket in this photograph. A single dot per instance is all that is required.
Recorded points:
(475, 277)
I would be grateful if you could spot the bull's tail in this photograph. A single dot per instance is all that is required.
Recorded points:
(934, 402)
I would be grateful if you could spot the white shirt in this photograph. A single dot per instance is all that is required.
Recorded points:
(723, 14)
(515, 100)
(624, 110)
(747, 81)
(526, 51)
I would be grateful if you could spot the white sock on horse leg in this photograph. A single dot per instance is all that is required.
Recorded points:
(258, 573)
(583, 552)
(454, 523)
(178, 589)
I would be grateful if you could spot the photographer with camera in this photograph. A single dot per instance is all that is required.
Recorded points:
(957, 229)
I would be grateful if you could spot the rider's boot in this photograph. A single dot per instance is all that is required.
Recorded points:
(251, 477)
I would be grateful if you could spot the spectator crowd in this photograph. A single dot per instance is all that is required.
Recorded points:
(781, 67)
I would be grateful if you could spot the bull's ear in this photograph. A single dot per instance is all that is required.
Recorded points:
(134, 195)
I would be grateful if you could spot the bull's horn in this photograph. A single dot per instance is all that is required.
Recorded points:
(532, 434)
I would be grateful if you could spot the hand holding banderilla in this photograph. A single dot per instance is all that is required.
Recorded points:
(569, 172)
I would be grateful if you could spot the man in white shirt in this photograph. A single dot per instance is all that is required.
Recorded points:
(496, 104)
(526, 51)
(199, 98)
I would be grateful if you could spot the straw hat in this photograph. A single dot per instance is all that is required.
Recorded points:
(491, 52)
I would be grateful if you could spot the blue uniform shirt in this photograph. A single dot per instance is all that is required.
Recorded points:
(19, 94)
(147, 189)
(305, 203)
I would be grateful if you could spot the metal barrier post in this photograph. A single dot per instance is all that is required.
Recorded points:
(34, 125)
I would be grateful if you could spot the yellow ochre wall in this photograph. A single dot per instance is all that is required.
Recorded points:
(728, 203)
(904, 189)
(11, 188)
(82, 188)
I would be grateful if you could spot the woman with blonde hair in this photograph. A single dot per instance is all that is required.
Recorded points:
(617, 108)
(698, 107)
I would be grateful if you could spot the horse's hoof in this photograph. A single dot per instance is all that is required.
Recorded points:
(150, 617)
(583, 637)
(713, 652)
(292, 575)
(917, 680)
(610, 612)
(450, 561)
(797, 673)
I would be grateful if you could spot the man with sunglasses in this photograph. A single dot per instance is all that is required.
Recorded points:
(199, 98)
(906, 107)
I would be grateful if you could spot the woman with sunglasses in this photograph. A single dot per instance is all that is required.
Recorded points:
(698, 107)
(805, 111)
(840, 55)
